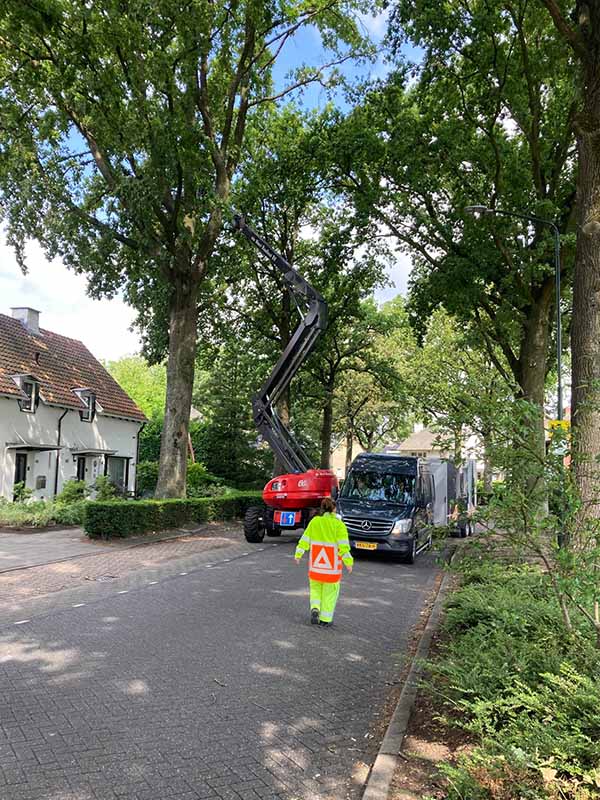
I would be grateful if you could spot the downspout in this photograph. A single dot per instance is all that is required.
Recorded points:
(137, 456)
(58, 439)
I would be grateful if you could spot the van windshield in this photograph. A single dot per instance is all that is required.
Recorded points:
(392, 488)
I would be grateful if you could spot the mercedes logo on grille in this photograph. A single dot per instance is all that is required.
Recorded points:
(366, 525)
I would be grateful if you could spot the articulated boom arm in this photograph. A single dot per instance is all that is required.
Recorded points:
(282, 441)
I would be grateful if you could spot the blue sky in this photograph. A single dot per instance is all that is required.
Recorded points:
(103, 325)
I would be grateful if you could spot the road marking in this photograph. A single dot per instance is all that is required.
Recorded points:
(22, 621)
(78, 605)
(226, 561)
(151, 583)
(123, 591)
(209, 565)
(183, 573)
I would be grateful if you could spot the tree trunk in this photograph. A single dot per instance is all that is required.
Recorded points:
(349, 444)
(180, 380)
(458, 446)
(487, 463)
(585, 326)
(326, 431)
(531, 376)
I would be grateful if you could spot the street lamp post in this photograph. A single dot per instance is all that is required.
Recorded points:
(555, 232)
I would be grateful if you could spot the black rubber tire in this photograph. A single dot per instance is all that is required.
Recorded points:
(411, 557)
(254, 530)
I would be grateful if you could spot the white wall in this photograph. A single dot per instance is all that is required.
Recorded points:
(106, 433)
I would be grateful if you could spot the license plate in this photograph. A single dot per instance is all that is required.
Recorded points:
(288, 519)
(366, 545)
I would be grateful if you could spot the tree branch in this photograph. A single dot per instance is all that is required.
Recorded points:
(569, 34)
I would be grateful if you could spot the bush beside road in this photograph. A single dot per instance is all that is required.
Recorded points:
(115, 518)
(516, 692)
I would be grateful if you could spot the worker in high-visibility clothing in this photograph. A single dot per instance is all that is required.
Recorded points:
(326, 539)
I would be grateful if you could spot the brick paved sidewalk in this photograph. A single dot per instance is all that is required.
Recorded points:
(111, 564)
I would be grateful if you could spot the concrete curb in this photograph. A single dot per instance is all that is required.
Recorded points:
(383, 769)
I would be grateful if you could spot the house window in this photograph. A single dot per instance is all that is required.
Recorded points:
(31, 391)
(117, 470)
(89, 401)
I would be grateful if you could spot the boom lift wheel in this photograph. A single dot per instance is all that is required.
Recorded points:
(254, 528)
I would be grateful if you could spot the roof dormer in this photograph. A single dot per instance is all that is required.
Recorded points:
(29, 386)
(88, 400)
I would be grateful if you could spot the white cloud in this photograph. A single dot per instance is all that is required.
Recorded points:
(60, 296)
(375, 24)
(398, 273)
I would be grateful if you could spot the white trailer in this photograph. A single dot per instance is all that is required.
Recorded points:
(452, 484)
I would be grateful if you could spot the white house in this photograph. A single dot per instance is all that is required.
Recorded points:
(62, 416)
(424, 443)
(421, 443)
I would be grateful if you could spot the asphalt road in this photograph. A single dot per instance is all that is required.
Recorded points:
(203, 679)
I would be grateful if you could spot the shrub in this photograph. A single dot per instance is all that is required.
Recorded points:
(200, 482)
(41, 513)
(198, 476)
(526, 689)
(37, 514)
(104, 488)
(21, 493)
(209, 490)
(70, 513)
(146, 478)
(72, 492)
(113, 518)
(548, 746)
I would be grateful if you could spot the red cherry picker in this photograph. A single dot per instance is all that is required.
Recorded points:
(291, 499)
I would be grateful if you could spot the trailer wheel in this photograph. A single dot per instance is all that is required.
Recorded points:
(254, 527)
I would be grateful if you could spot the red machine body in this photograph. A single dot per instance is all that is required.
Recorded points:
(300, 490)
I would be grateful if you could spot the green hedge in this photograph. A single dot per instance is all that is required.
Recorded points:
(113, 518)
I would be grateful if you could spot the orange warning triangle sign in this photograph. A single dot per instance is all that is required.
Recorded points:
(322, 560)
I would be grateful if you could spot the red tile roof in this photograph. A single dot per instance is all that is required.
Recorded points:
(60, 364)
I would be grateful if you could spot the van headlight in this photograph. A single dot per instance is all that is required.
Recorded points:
(402, 526)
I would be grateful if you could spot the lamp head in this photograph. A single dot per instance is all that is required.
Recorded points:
(477, 210)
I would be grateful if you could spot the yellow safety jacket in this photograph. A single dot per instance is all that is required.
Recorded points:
(326, 538)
